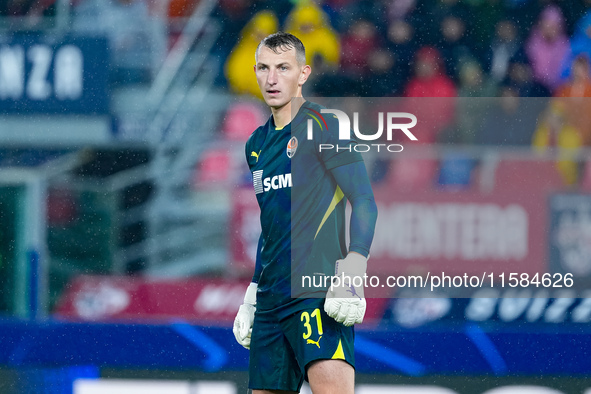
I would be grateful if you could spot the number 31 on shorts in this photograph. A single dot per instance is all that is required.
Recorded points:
(307, 317)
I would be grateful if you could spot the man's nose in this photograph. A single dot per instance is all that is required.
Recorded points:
(272, 77)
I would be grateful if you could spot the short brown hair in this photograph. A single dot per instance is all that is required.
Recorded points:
(285, 42)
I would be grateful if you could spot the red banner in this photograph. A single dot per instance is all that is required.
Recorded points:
(438, 231)
(113, 298)
(459, 232)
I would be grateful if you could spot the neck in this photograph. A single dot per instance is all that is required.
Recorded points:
(282, 115)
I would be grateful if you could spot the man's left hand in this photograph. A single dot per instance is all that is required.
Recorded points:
(345, 302)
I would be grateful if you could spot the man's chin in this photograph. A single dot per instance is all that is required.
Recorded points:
(275, 102)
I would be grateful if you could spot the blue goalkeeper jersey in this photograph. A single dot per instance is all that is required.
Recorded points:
(302, 207)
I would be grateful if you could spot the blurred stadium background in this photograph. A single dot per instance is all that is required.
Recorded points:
(128, 220)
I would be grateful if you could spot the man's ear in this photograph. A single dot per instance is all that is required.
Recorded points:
(304, 74)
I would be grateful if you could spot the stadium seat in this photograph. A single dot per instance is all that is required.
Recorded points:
(455, 172)
(241, 120)
(214, 168)
(407, 174)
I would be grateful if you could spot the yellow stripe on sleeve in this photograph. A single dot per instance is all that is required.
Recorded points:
(338, 196)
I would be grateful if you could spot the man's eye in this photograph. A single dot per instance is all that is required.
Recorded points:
(283, 68)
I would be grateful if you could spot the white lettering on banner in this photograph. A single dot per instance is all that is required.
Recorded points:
(16, 82)
(511, 308)
(68, 73)
(103, 300)
(556, 313)
(38, 88)
(145, 386)
(12, 72)
(532, 306)
(130, 386)
(207, 387)
(582, 313)
(451, 231)
(219, 299)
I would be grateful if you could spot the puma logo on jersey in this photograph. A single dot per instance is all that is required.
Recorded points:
(272, 182)
(256, 155)
(311, 342)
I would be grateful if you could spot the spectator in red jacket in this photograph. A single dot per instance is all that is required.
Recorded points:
(430, 82)
(429, 78)
(358, 43)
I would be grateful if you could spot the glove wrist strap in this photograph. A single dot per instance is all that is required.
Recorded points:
(251, 294)
(352, 264)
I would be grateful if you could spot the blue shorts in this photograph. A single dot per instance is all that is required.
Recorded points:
(282, 348)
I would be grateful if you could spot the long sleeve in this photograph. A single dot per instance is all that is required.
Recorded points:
(354, 182)
(258, 266)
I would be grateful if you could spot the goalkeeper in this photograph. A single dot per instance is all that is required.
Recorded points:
(295, 333)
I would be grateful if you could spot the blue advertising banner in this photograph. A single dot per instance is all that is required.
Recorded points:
(464, 349)
(513, 307)
(39, 74)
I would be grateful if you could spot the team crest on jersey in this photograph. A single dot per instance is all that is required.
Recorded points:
(292, 146)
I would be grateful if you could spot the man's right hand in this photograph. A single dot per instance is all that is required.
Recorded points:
(245, 317)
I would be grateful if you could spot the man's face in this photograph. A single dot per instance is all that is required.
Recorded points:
(279, 76)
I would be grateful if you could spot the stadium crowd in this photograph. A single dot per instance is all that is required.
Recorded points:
(431, 48)
(510, 49)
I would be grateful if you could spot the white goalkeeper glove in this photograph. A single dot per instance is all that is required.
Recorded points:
(345, 302)
(245, 317)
